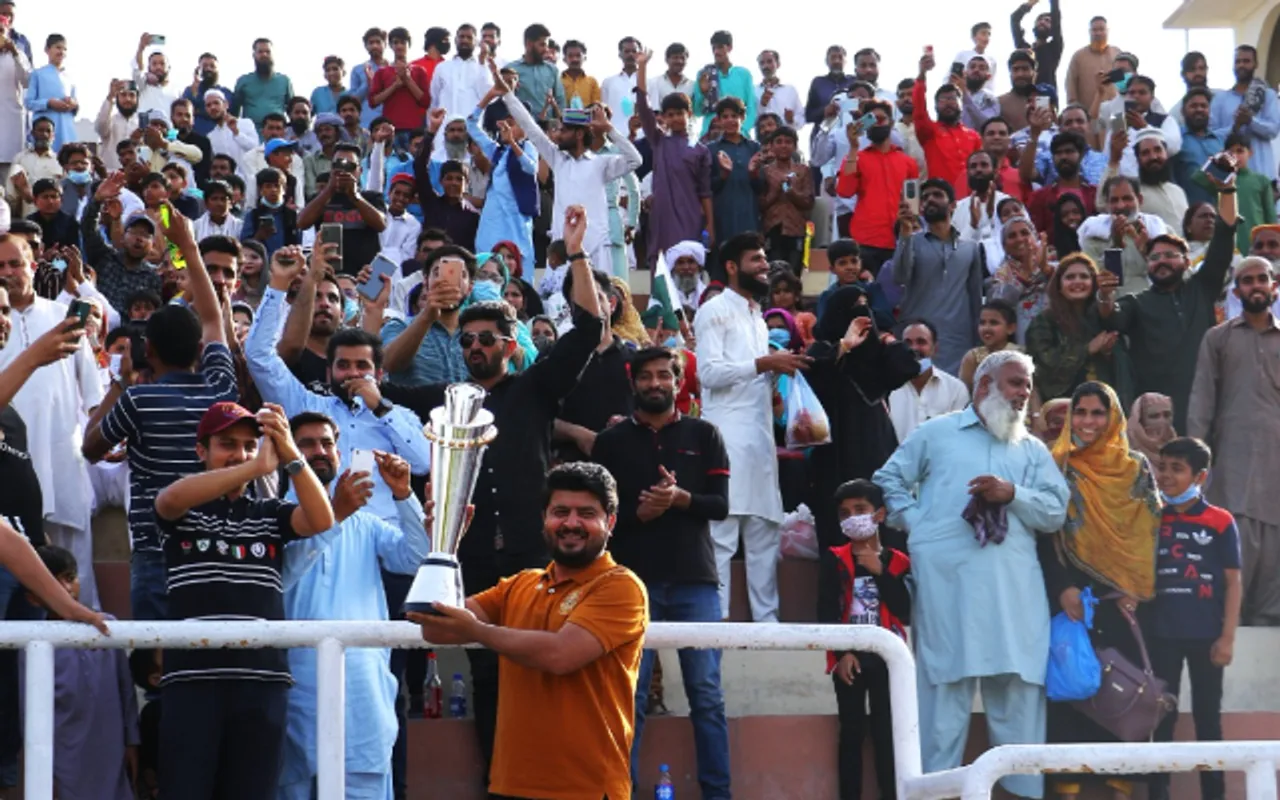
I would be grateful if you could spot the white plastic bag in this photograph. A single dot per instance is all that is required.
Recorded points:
(799, 535)
(807, 423)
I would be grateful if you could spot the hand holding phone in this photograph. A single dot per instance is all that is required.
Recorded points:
(363, 461)
(1113, 261)
(381, 265)
(911, 195)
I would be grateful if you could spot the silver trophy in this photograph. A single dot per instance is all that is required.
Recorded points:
(459, 433)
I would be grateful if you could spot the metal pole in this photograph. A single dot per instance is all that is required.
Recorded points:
(1260, 781)
(331, 708)
(38, 758)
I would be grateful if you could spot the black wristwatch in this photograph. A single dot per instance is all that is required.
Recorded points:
(383, 407)
(577, 256)
(294, 467)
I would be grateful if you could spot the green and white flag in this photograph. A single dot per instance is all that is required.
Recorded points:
(663, 296)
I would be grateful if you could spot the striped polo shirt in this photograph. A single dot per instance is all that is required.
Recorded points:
(223, 562)
(159, 421)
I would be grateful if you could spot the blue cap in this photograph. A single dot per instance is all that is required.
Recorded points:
(457, 676)
(328, 118)
(279, 144)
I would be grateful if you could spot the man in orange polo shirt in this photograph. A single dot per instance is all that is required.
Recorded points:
(569, 639)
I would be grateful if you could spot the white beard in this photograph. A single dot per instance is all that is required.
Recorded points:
(1001, 419)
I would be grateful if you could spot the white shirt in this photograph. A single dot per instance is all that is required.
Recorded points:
(731, 334)
(254, 161)
(963, 222)
(398, 305)
(580, 181)
(223, 142)
(113, 128)
(965, 56)
(1129, 162)
(152, 97)
(785, 98)
(35, 167)
(662, 86)
(908, 408)
(15, 72)
(618, 93)
(204, 226)
(50, 404)
(399, 240)
(459, 84)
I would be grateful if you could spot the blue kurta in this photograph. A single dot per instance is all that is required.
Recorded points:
(977, 611)
(337, 575)
(50, 83)
(500, 219)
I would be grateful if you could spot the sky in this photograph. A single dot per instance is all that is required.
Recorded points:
(101, 43)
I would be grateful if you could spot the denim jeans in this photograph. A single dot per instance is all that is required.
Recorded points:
(14, 606)
(700, 669)
(148, 586)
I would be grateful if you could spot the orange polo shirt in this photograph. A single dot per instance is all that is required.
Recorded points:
(568, 737)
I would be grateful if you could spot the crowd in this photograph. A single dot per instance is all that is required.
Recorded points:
(1050, 319)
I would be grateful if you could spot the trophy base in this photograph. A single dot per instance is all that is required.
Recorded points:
(439, 580)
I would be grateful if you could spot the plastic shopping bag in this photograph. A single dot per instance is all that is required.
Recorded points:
(1074, 672)
(799, 535)
(807, 423)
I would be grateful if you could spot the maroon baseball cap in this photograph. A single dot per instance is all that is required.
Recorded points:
(221, 416)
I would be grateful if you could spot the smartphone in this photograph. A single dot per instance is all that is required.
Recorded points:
(867, 121)
(59, 264)
(268, 223)
(1042, 101)
(928, 49)
(1118, 123)
(381, 266)
(81, 309)
(114, 366)
(957, 68)
(363, 461)
(911, 193)
(1113, 261)
(450, 271)
(331, 233)
(1115, 75)
(1130, 105)
(157, 40)
(1218, 170)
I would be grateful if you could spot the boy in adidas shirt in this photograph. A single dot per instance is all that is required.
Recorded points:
(1197, 605)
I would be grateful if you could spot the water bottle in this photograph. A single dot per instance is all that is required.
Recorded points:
(433, 692)
(665, 789)
(458, 697)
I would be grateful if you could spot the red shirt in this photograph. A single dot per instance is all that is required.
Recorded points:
(1040, 206)
(404, 111)
(878, 186)
(429, 64)
(946, 147)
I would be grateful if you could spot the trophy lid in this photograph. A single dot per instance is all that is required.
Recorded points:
(462, 402)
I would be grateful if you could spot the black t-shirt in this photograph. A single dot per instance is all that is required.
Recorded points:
(223, 561)
(359, 241)
(21, 504)
(311, 370)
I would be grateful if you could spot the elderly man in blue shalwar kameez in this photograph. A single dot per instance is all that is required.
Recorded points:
(980, 614)
(337, 575)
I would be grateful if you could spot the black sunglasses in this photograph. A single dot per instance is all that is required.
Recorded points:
(486, 338)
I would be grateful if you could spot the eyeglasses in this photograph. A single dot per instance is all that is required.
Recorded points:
(1164, 255)
(486, 338)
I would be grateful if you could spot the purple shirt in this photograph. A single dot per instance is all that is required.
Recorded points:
(681, 180)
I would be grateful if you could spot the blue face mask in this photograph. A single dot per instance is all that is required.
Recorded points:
(1122, 85)
(1192, 492)
(780, 337)
(350, 308)
(80, 177)
(272, 205)
(485, 292)
(926, 364)
(671, 342)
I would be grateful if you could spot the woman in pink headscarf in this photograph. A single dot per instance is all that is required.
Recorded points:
(1151, 424)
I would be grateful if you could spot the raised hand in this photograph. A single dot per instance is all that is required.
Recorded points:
(287, 264)
(575, 228)
(395, 473)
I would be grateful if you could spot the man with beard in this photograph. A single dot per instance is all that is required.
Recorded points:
(152, 79)
(975, 217)
(183, 119)
(1232, 408)
(453, 144)
(673, 480)
(997, 143)
(328, 133)
(503, 538)
(774, 96)
(1142, 119)
(1068, 148)
(1047, 47)
(315, 314)
(1016, 104)
(1249, 108)
(866, 68)
(822, 89)
(300, 126)
(361, 214)
(1165, 323)
(159, 418)
(948, 142)
(123, 270)
(686, 261)
(229, 135)
(903, 111)
(204, 81)
(1123, 225)
(367, 420)
(1199, 143)
(978, 103)
(569, 635)
(983, 457)
(263, 91)
(873, 176)
(539, 81)
(458, 84)
(941, 274)
(337, 576)
(1195, 74)
(1161, 197)
(117, 120)
(736, 369)
(425, 350)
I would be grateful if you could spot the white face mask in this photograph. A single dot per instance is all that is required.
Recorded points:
(859, 527)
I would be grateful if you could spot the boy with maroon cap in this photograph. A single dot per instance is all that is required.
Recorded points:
(223, 714)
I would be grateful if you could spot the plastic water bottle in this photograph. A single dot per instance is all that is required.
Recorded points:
(458, 697)
(433, 692)
(665, 789)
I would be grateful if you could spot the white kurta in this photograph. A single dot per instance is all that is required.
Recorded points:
(50, 404)
(731, 335)
(14, 73)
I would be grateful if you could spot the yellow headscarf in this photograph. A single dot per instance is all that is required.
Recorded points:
(629, 328)
(1113, 517)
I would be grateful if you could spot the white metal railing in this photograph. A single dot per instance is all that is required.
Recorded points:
(331, 638)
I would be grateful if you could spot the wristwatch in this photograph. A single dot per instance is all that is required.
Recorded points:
(294, 467)
(579, 256)
(384, 407)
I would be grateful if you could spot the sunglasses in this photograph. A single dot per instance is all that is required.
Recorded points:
(486, 339)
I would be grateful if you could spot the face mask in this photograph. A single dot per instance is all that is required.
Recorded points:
(543, 343)
(780, 337)
(926, 364)
(272, 204)
(859, 527)
(486, 292)
(878, 133)
(350, 308)
(80, 177)
(1122, 85)
(672, 341)
(1192, 492)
